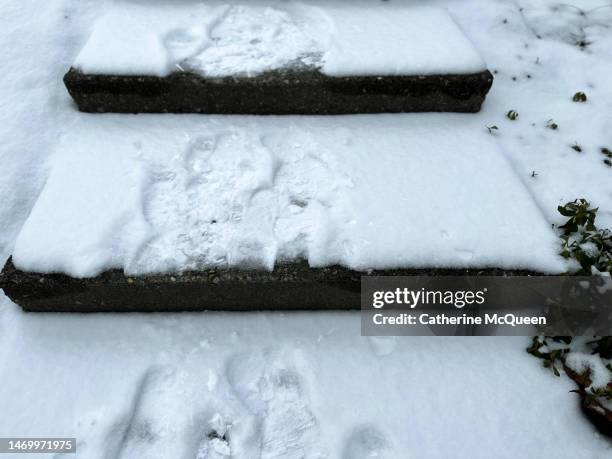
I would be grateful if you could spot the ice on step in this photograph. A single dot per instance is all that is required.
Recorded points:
(225, 38)
(165, 193)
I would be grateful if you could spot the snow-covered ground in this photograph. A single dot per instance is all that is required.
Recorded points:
(299, 385)
(281, 386)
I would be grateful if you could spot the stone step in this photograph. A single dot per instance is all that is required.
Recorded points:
(289, 287)
(177, 193)
(278, 93)
(282, 59)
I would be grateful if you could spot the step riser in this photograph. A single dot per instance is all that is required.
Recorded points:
(288, 287)
(278, 93)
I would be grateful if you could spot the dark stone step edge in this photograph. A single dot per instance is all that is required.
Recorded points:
(279, 92)
(293, 286)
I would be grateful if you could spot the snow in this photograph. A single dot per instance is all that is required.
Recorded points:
(221, 39)
(538, 78)
(279, 386)
(593, 364)
(88, 197)
(398, 40)
(112, 380)
(250, 40)
(191, 192)
(32, 93)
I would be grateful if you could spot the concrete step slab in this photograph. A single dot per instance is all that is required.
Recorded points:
(282, 92)
(281, 58)
(294, 286)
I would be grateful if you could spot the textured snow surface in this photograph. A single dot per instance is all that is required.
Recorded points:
(366, 191)
(301, 385)
(170, 385)
(228, 38)
(587, 363)
(167, 193)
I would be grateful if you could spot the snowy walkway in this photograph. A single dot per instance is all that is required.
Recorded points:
(280, 386)
(113, 398)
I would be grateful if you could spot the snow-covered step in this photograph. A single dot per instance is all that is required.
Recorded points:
(169, 194)
(277, 58)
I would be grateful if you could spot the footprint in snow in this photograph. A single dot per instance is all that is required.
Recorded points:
(160, 423)
(216, 444)
(184, 43)
(273, 392)
(368, 442)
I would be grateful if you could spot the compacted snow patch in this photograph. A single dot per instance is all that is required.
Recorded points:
(251, 40)
(228, 38)
(170, 193)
